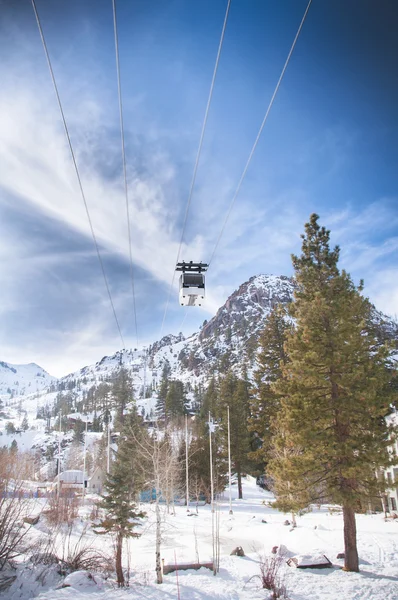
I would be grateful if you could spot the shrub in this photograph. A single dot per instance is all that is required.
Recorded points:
(271, 576)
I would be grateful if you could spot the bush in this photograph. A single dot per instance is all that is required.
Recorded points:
(14, 508)
(63, 508)
(81, 555)
(271, 576)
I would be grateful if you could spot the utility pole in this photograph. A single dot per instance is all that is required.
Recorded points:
(108, 459)
(186, 460)
(211, 429)
(108, 433)
(145, 359)
(59, 453)
(229, 466)
(84, 460)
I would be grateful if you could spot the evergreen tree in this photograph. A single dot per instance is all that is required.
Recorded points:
(163, 390)
(79, 428)
(122, 395)
(13, 447)
(234, 394)
(265, 402)
(123, 485)
(175, 402)
(25, 424)
(199, 462)
(10, 428)
(198, 397)
(333, 392)
(210, 400)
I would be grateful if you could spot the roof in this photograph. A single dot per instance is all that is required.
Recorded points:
(71, 476)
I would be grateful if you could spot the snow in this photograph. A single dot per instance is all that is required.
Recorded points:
(23, 379)
(255, 526)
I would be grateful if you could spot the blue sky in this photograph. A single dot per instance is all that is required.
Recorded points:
(329, 146)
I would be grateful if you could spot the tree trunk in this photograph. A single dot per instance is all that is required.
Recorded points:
(350, 540)
(384, 502)
(119, 569)
(240, 493)
(159, 577)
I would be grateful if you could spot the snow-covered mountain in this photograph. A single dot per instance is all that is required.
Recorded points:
(228, 340)
(20, 380)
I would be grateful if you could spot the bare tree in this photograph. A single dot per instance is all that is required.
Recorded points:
(159, 458)
(15, 507)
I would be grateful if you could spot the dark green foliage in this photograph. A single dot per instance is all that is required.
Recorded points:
(121, 395)
(14, 447)
(198, 398)
(96, 425)
(176, 402)
(210, 400)
(25, 424)
(265, 402)
(163, 389)
(235, 395)
(199, 462)
(123, 484)
(330, 433)
(79, 428)
(10, 428)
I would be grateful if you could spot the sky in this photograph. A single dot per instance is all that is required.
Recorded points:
(329, 146)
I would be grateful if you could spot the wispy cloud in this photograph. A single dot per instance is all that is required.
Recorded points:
(53, 301)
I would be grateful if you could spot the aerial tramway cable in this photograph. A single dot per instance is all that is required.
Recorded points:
(197, 157)
(76, 168)
(259, 134)
(119, 88)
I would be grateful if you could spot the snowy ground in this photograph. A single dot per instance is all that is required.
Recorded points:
(319, 532)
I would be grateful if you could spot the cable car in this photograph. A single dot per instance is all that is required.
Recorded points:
(192, 283)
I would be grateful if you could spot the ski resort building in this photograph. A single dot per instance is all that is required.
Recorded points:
(95, 482)
(391, 474)
(70, 480)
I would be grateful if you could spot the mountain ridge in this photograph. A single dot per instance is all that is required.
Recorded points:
(227, 340)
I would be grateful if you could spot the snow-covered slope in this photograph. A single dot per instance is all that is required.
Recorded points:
(19, 380)
(187, 538)
(228, 340)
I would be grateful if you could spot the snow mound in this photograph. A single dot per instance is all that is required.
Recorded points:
(83, 580)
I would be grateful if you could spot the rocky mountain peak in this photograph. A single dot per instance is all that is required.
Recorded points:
(253, 300)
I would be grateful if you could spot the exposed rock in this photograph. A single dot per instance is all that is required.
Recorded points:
(238, 551)
(32, 520)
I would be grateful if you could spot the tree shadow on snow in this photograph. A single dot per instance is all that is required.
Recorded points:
(376, 576)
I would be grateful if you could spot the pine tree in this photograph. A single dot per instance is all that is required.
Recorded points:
(199, 462)
(79, 428)
(333, 391)
(122, 394)
(175, 402)
(265, 402)
(234, 394)
(123, 485)
(10, 428)
(210, 400)
(163, 389)
(25, 424)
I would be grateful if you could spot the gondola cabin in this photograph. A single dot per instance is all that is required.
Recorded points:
(192, 289)
(192, 283)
